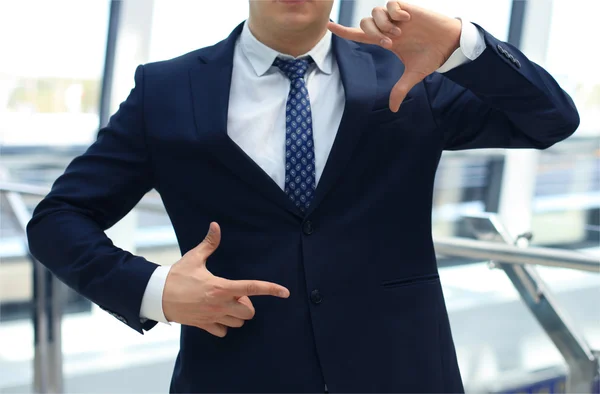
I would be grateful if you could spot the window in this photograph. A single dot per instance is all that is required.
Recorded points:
(51, 71)
(572, 60)
(568, 187)
(494, 16)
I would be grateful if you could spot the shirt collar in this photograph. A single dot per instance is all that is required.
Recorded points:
(261, 57)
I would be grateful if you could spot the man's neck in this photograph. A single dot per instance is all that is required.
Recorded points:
(288, 43)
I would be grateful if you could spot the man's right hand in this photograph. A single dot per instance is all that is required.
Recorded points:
(195, 297)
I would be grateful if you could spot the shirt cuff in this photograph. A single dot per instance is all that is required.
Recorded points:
(472, 44)
(152, 300)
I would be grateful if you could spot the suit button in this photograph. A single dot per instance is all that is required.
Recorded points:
(315, 297)
(308, 228)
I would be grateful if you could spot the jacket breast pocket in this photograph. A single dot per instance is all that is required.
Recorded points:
(411, 129)
(383, 116)
(405, 282)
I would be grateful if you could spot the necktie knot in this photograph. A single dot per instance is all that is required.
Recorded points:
(293, 68)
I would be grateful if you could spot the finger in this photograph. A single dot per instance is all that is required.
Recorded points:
(210, 243)
(383, 22)
(351, 33)
(230, 321)
(241, 308)
(396, 13)
(403, 86)
(255, 288)
(370, 28)
(216, 329)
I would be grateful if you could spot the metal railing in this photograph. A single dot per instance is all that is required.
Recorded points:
(46, 310)
(148, 202)
(48, 294)
(485, 250)
(518, 263)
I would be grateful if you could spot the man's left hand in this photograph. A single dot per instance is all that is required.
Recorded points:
(422, 39)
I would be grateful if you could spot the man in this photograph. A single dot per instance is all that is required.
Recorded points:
(315, 154)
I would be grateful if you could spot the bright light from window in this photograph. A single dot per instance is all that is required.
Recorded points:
(494, 16)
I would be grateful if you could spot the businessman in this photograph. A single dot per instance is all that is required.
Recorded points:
(310, 158)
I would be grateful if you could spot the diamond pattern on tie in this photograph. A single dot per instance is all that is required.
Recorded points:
(300, 174)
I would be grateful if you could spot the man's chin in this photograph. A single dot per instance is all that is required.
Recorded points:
(293, 2)
(296, 23)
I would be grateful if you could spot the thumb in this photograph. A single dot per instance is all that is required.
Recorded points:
(408, 80)
(210, 243)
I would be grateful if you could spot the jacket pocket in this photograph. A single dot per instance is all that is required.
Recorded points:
(383, 116)
(390, 284)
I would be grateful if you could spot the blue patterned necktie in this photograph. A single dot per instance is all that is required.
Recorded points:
(300, 182)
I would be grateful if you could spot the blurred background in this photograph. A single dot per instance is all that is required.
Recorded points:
(66, 66)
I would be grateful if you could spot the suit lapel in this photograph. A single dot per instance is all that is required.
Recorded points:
(359, 80)
(210, 84)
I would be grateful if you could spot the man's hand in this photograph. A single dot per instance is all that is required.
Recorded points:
(195, 297)
(422, 39)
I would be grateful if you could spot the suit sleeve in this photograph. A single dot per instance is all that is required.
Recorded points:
(98, 188)
(500, 100)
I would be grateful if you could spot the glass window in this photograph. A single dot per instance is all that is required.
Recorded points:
(494, 16)
(50, 76)
(573, 61)
(568, 185)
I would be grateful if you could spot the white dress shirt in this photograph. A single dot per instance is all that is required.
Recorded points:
(256, 116)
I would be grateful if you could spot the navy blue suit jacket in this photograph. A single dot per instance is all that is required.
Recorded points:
(366, 311)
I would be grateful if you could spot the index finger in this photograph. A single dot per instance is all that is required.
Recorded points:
(240, 288)
(351, 33)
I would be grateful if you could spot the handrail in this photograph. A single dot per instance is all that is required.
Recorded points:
(537, 296)
(23, 188)
(47, 312)
(484, 250)
(148, 203)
